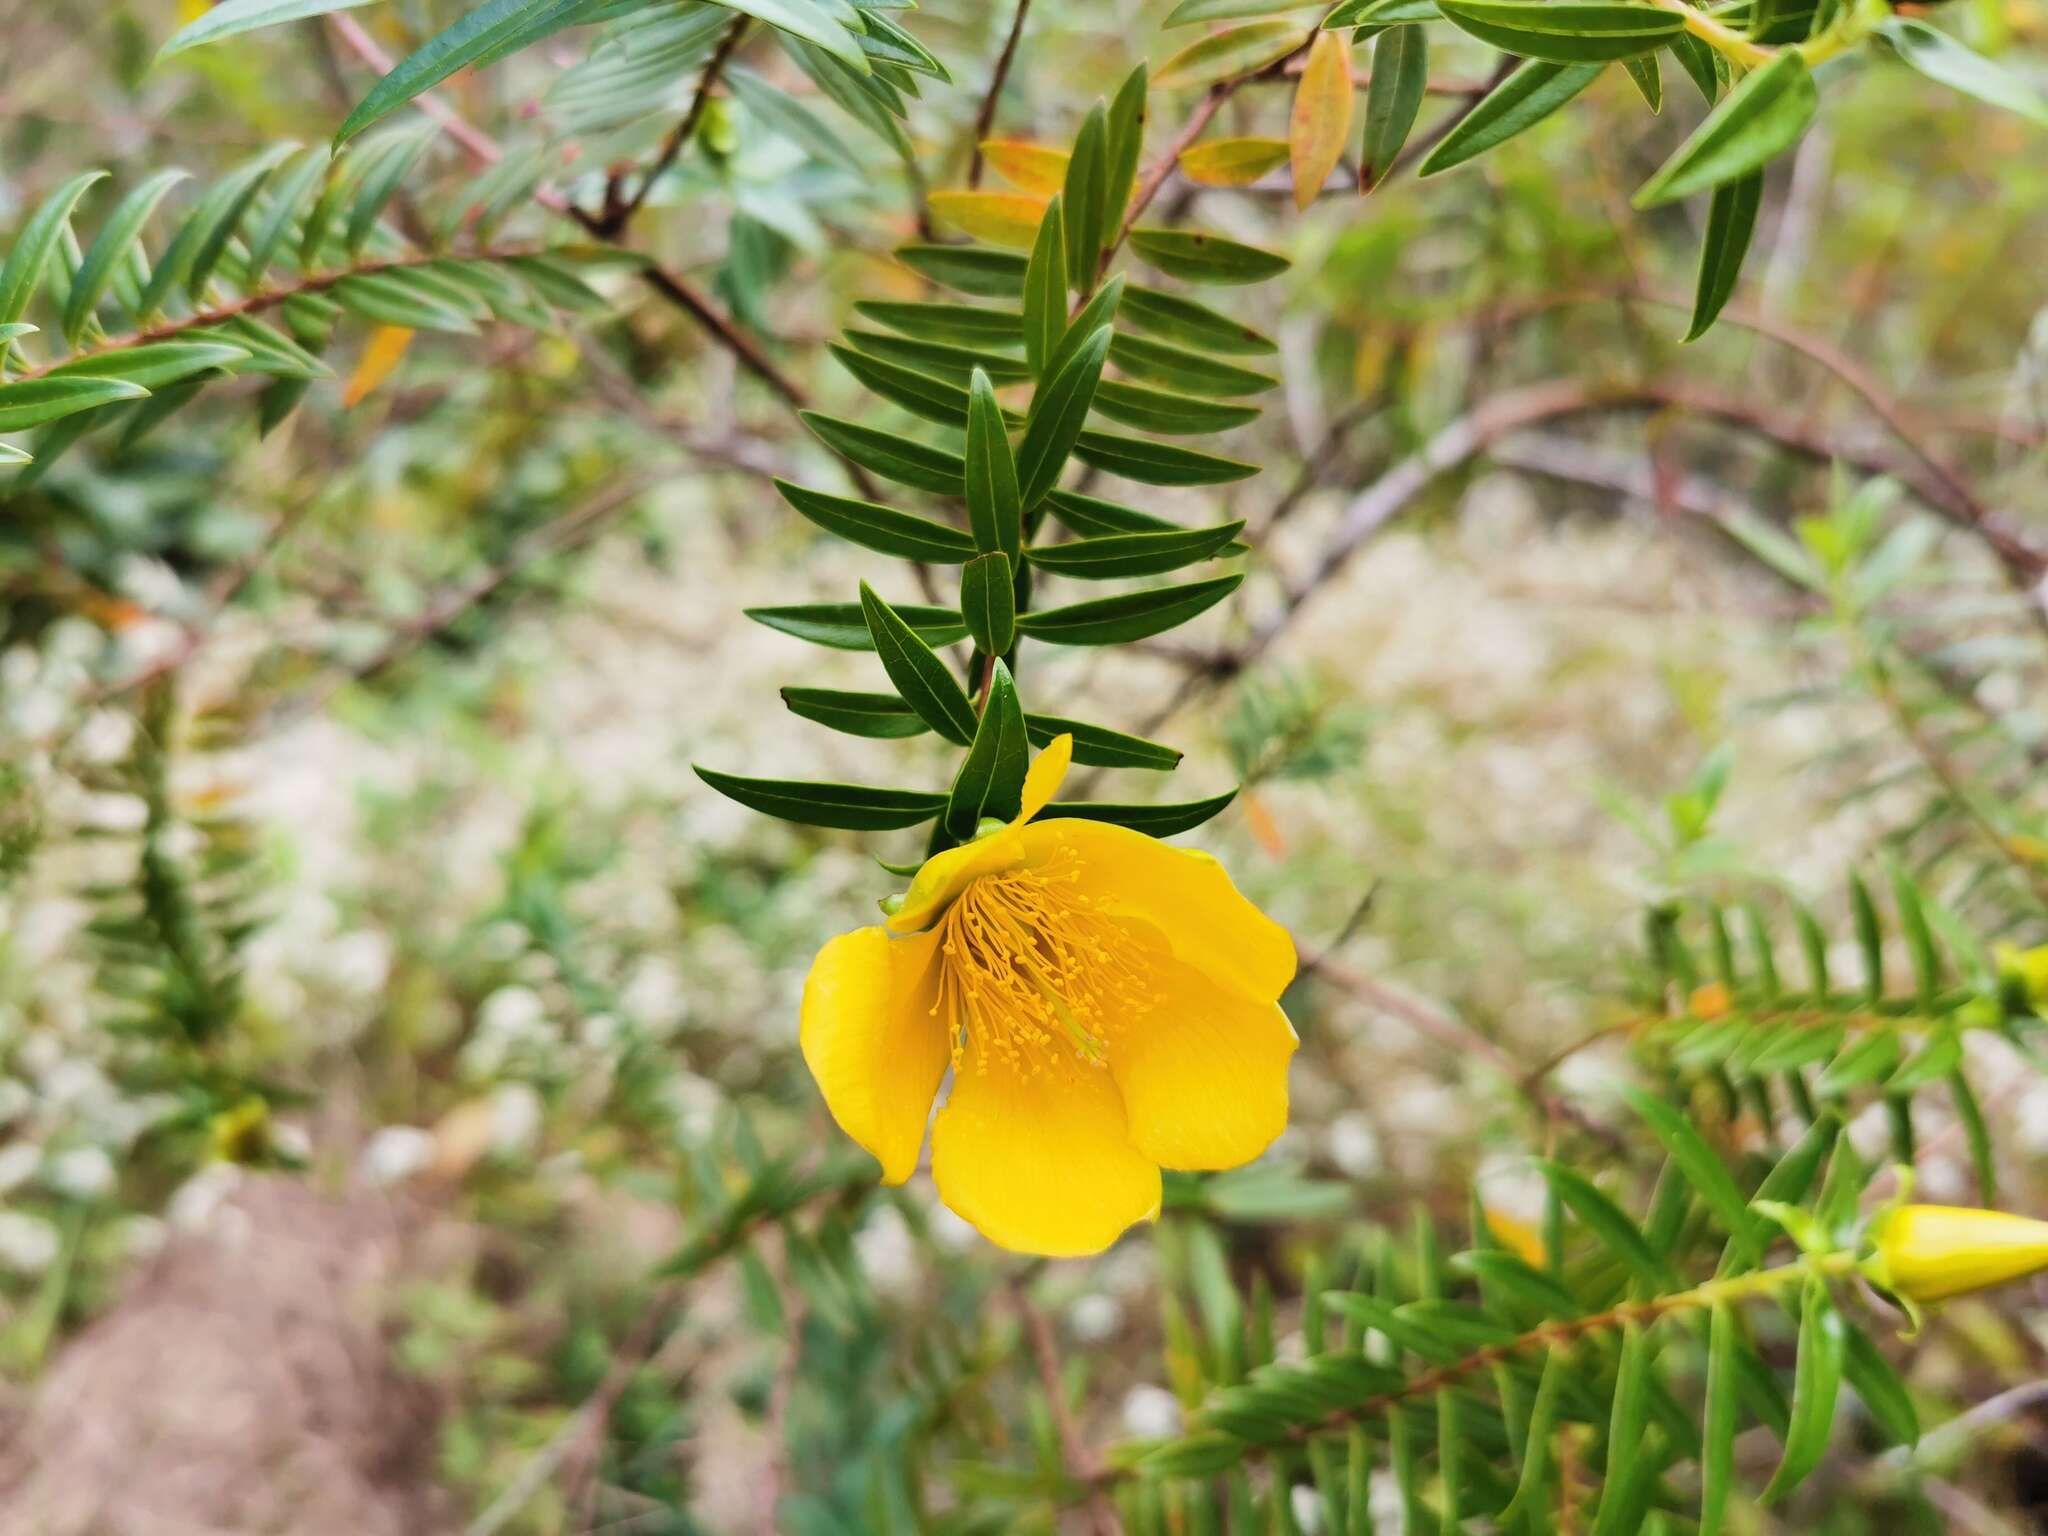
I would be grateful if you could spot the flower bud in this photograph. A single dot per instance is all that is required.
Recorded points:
(2024, 974)
(1931, 1252)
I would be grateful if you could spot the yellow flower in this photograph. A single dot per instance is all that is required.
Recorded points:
(1108, 1006)
(1932, 1252)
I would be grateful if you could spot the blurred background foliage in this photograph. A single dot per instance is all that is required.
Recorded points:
(347, 836)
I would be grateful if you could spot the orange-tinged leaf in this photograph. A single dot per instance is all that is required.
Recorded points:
(1321, 121)
(1001, 218)
(1035, 168)
(381, 353)
(1232, 162)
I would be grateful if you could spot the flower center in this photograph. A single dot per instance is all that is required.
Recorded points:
(1034, 976)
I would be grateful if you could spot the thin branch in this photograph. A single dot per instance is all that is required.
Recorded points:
(984, 120)
(1081, 1463)
(615, 220)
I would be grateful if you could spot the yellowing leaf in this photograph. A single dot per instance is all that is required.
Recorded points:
(1321, 120)
(1232, 162)
(1036, 168)
(381, 353)
(1235, 51)
(1000, 218)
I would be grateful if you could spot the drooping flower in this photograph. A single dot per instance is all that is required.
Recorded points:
(1107, 1006)
(1932, 1252)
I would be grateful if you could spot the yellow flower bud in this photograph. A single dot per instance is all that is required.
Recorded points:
(2027, 969)
(1932, 1252)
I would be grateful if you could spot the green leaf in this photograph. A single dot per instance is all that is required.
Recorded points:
(1717, 1432)
(1376, 14)
(1125, 144)
(1534, 91)
(1133, 554)
(1648, 76)
(1152, 820)
(1092, 517)
(1195, 256)
(1233, 51)
(881, 715)
(31, 402)
(1195, 373)
(850, 807)
(1935, 1060)
(1084, 199)
(844, 626)
(991, 779)
(1703, 1169)
(1816, 1378)
(1045, 290)
(218, 219)
(1057, 413)
(397, 298)
(994, 507)
(1100, 310)
(1941, 58)
(1878, 1386)
(919, 393)
(1158, 410)
(1127, 616)
(1191, 324)
(154, 364)
(1151, 463)
(1627, 1422)
(920, 675)
(230, 17)
(890, 455)
(1097, 746)
(33, 247)
(1400, 76)
(1565, 31)
(1700, 62)
(938, 359)
(112, 248)
(794, 121)
(1620, 1236)
(1731, 220)
(1760, 119)
(1190, 11)
(988, 602)
(1871, 1058)
(882, 529)
(962, 325)
(975, 269)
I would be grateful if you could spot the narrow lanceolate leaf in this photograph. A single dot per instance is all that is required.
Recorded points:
(233, 16)
(994, 509)
(1127, 616)
(1627, 1420)
(942, 360)
(1057, 414)
(1619, 1235)
(1035, 168)
(988, 602)
(1159, 362)
(1941, 58)
(1083, 198)
(1877, 1385)
(1718, 1421)
(1151, 463)
(882, 529)
(1196, 257)
(1534, 91)
(919, 393)
(1565, 31)
(850, 807)
(111, 249)
(1816, 1378)
(33, 246)
(1045, 290)
(844, 626)
(1191, 11)
(155, 364)
(1234, 162)
(890, 455)
(1400, 76)
(1008, 219)
(960, 325)
(967, 269)
(881, 715)
(31, 402)
(1374, 14)
(1163, 411)
(924, 680)
(1731, 220)
(1152, 820)
(1233, 51)
(394, 298)
(1320, 122)
(1092, 517)
(1099, 747)
(1757, 121)
(1098, 312)
(1126, 143)
(482, 32)
(1192, 324)
(1133, 554)
(991, 779)
(1648, 76)
(1703, 1170)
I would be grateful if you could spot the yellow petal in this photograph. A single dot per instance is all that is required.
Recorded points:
(1184, 894)
(1204, 1075)
(1321, 119)
(1000, 218)
(1043, 778)
(1043, 1164)
(870, 1039)
(1931, 1252)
